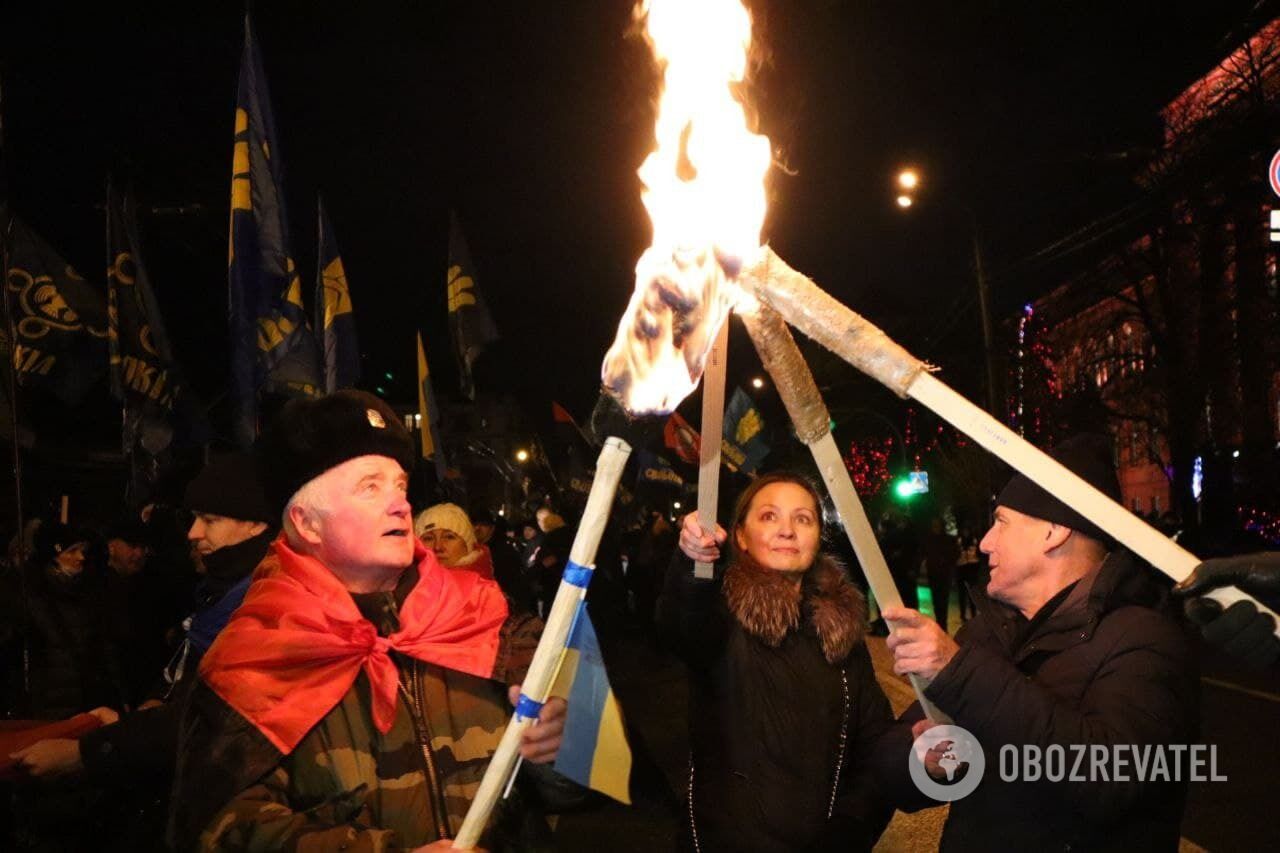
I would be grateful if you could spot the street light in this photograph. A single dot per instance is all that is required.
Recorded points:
(757, 383)
(910, 179)
(522, 455)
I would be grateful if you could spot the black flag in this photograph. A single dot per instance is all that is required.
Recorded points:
(144, 376)
(59, 320)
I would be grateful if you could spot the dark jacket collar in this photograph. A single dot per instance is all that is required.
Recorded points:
(225, 567)
(1122, 580)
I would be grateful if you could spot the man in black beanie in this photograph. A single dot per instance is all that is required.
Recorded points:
(1073, 649)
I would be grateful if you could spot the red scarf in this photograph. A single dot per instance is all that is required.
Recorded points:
(294, 647)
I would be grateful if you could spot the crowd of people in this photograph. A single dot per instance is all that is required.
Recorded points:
(295, 659)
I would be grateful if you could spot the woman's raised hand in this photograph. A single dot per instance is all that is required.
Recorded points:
(696, 544)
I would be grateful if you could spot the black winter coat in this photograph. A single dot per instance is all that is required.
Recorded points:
(1108, 665)
(784, 708)
(74, 665)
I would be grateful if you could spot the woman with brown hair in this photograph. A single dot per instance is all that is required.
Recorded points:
(784, 705)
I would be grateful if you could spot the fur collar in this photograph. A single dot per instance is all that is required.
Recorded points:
(769, 604)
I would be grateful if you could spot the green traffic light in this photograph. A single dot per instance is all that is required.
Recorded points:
(904, 489)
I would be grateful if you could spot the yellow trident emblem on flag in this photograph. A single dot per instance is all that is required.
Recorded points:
(460, 286)
(748, 427)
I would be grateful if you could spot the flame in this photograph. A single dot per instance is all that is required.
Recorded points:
(704, 191)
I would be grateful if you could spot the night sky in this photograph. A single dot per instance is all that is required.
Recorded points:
(530, 119)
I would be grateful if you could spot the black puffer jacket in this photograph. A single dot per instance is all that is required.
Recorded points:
(784, 708)
(74, 665)
(1107, 665)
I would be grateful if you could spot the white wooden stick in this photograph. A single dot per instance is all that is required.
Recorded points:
(794, 381)
(551, 647)
(712, 427)
(811, 310)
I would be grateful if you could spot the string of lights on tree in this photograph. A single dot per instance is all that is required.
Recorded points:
(1261, 523)
(868, 464)
(1036, 385)
(869, 460)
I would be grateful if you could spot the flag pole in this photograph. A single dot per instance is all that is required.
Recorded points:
(113, 346)
(551, 647)
(11, 374)
(709, 450)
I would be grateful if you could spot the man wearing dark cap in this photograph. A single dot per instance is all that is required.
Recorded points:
(355, 698)
(1072, 649)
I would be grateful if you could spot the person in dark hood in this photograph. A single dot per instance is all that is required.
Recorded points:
(74, 665)
(141, 605)
(784, 706)
(1073, 648)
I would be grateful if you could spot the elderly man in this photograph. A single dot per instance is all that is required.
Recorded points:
(355, 698)
(1072, 647)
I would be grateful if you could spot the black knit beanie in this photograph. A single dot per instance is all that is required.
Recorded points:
(1089, 457)
(229, 486)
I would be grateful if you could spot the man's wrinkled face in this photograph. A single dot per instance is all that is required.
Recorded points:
(1014, 546)
(210, 532)
(366, 521)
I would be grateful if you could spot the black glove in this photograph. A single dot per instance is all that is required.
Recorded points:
(1241, 630)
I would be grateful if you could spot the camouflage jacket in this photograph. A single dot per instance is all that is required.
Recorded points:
(346, 785)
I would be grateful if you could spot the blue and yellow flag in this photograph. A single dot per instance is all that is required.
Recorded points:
(272, 348)
(335, 320)
(743, 447)
(470, 324)
(594, 751)
(429, 417)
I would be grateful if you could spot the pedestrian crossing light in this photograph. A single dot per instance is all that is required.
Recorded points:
(914, 483)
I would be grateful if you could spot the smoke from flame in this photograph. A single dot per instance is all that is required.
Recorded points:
(704, 191)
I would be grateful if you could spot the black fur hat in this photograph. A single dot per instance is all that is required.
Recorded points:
(310, 436)
(1089, 457)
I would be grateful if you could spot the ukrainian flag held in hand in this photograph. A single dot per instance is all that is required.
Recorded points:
(594, 751)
